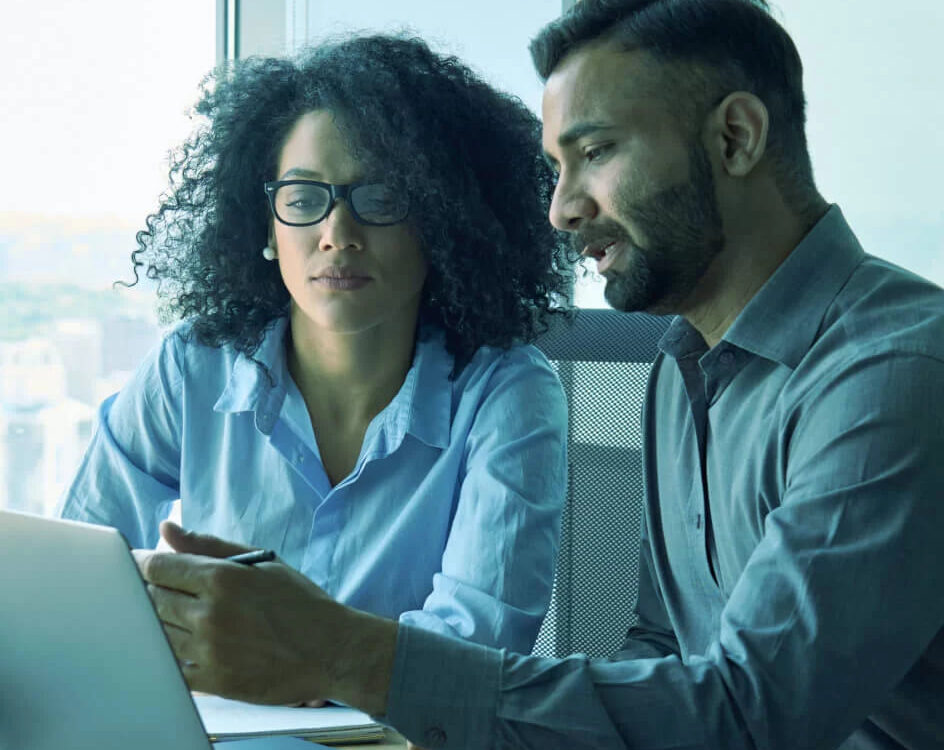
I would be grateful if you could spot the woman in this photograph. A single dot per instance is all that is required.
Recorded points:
(357, 244)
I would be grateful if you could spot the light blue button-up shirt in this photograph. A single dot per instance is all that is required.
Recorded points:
(449, 520)
(792, 577)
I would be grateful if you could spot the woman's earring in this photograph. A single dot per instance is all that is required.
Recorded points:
(268, 253)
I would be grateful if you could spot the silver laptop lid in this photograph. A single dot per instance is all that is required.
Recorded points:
(84, 661)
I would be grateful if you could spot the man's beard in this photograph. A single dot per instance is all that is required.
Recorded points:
(683, 231)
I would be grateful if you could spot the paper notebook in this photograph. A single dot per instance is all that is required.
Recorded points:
(226, 719)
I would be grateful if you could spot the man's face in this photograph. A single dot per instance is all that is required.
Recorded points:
(635, 184)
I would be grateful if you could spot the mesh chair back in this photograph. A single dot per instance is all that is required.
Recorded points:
(603, 358)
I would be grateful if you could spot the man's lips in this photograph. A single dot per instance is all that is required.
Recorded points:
(604, 252)
(597, 249)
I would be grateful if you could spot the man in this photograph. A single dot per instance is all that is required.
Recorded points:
(790, 576)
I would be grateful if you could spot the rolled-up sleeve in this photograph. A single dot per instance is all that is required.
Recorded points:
(498, 563)
(835, 606)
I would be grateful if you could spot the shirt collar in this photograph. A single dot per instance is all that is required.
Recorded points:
(422, 406)
(781, 320)
(248, 385)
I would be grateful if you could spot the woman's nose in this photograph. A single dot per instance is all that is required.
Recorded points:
(339, 229)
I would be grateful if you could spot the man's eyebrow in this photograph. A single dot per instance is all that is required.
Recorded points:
(573, 134)
(579, 130)
(305, 174)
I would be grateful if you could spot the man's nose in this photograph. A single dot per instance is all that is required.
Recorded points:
(571, 206)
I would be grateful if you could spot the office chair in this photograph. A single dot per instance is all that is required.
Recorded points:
(603, 358)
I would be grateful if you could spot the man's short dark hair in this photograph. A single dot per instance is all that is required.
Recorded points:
(715, 47)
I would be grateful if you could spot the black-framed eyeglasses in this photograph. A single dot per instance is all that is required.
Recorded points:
(301, 203)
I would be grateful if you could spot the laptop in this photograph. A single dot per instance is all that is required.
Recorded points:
(84, 661)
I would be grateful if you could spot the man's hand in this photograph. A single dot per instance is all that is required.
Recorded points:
(263, 633)
(181, 540)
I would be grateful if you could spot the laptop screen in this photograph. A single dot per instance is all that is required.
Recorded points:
(84, 661)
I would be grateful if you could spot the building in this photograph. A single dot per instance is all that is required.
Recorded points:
(43, 431)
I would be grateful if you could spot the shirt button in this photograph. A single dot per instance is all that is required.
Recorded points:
(727, 358)
(434, 737)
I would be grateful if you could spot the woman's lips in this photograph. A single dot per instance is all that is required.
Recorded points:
(342, 283)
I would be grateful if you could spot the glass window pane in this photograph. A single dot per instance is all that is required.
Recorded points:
(489, 35)
(874, 114)
(95, 95)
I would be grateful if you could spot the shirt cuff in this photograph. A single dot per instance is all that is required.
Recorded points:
(443, 691)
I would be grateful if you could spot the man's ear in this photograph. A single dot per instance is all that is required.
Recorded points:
(738, 127)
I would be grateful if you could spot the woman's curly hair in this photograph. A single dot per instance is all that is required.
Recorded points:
(467, 156)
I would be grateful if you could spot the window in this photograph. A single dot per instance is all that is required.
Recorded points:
(497, 49)
(94, 97)
(874, 111)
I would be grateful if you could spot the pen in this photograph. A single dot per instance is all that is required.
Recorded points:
(251, 558)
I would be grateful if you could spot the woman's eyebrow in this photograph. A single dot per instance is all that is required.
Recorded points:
(303, 173)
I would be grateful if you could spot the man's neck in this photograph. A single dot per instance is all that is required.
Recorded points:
(753, 251)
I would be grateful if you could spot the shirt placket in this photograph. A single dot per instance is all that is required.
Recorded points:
(695, 389)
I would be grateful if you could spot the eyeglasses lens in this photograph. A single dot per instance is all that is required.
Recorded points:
(378, 204)
(301, 204)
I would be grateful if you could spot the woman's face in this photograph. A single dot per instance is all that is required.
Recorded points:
(343, 276)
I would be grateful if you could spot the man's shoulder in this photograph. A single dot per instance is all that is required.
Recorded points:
(882, 308)
(881, 335)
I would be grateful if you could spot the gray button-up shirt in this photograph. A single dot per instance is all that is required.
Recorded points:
(792, 579)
